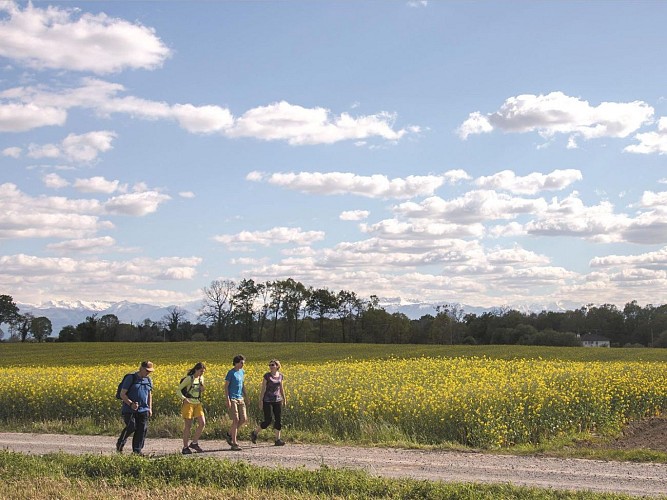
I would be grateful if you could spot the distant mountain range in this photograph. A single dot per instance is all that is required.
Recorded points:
(63, 313)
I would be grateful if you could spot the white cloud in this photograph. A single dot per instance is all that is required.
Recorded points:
(557, 113)
(24, 117)
(85, 245)
(83, 148)
(133, 279)
(532, 183)
(61, 38)
(273, 236)
(334, 183)
(186, 194)
(136, 204)
(23, 216)
(354, 215)
(298, 125)
(392, 228)
(54, 181)
(12, 152)
(280, 121)
(96, 185)
(473, 207)
(651, 142)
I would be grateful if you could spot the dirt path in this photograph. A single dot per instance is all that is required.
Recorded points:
(571, 474)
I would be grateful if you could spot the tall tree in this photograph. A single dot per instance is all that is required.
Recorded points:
(40, 328)
(321, 302)
(20, 326)
(218, 306)
(244, 306)
(8, 310)
(174, 317)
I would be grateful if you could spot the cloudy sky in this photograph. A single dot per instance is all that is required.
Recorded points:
(485, 153)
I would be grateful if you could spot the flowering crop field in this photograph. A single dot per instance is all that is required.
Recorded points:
(476, 400)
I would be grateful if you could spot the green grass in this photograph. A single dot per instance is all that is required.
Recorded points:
(117, 476)
(96, 353)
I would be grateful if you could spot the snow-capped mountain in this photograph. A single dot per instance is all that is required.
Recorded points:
(63, 313)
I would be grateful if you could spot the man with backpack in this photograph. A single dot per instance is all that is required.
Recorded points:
(135, 392)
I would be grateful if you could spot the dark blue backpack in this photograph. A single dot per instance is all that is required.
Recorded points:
(120, 386)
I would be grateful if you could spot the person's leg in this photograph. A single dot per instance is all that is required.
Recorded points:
(141, 428)
(129, 429)
(266, 409)
(187, 426)
(201, 423)
(234, 416)
(277, 420)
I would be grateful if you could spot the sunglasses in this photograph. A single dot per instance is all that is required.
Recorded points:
(272, 364)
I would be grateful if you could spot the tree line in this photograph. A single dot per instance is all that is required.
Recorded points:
(288, 311)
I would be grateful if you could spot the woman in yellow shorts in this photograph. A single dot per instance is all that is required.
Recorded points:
(190, 391)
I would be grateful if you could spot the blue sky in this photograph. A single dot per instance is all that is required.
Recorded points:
(484, 153)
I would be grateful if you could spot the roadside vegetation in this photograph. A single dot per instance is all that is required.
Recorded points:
(175, 477)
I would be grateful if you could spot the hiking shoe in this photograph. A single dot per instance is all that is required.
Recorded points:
(253, 437)
(186, 451)
(279, 442)
(235, 447)
(228, 438)
(119, 446)
(196, 447)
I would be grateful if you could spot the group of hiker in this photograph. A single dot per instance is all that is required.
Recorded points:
(135, 391)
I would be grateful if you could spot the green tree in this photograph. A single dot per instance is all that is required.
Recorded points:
(8, 310)
(40, 328)
(322, 303)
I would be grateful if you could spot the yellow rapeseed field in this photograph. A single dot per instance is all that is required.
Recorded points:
(471, 400)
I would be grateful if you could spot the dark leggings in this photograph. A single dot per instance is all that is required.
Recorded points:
(277, 412)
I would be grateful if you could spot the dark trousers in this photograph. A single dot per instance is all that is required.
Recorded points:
(136, 423)
(277, 409)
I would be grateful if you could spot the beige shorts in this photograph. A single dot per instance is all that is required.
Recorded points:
(190, 411)
(237, 410)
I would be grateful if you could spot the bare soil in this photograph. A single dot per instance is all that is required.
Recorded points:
(650, 434)
(638, 479)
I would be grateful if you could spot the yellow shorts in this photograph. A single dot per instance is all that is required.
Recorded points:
(190, 411)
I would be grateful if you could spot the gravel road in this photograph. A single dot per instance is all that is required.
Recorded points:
(640, 479)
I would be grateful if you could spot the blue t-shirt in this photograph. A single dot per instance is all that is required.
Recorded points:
(137, 390)
(235, 378)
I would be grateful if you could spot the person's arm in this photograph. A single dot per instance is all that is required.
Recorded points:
(229, 401)
(282, 390)
(261, 393)
(150, 403)
(182, 386)
(126, 399)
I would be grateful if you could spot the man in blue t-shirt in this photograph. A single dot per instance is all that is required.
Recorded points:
(235, 394)
(136, 394)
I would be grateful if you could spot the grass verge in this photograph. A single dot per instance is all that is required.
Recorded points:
(92, 476)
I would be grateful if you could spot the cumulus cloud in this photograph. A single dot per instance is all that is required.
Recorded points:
(270, 237)
(82, 148)
(136, 204)
(60, 38)
(96, 184)
(370, 186)
(23, 117)
(354, 215)
(532, 183)
(84, 245)
(651, 142)
(54, 181)
(133, 279)
(25, 108)
(557, 113)
(298, 125)
(473, 207)
(23, 216)
(12, 152)
(393, 228)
